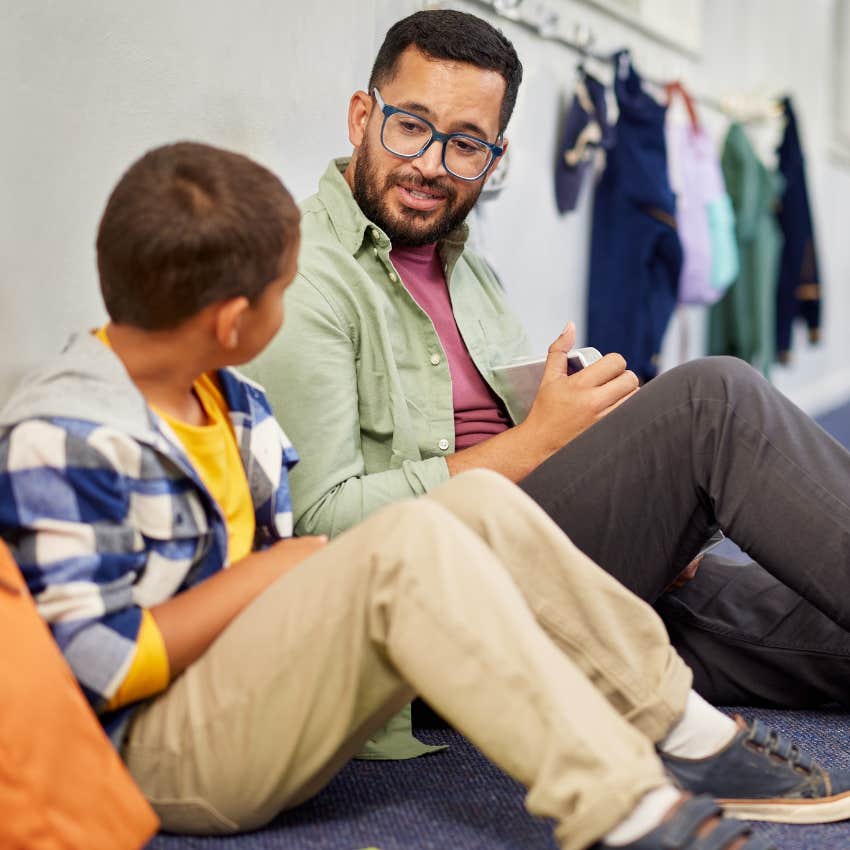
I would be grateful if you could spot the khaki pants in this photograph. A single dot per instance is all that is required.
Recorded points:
(470, 596)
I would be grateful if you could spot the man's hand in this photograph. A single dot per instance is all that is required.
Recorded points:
(686, 575)
(566, 405)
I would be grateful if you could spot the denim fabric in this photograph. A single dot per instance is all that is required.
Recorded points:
(636, 256)
(798, 289)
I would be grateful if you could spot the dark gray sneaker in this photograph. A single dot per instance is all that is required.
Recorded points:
(690, 827)
(761, 775)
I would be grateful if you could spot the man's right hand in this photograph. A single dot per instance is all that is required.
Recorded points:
(566, 405)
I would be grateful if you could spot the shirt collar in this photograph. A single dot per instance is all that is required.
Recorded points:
(348, 220)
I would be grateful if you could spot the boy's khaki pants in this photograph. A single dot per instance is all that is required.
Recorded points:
(471, 597)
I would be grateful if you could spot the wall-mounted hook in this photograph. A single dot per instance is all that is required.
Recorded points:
(583, 37)
(508, 8)
(543, 19)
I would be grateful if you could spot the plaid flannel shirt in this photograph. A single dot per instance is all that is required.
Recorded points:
(105, 514)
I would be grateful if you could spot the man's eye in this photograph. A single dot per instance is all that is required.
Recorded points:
(465, 147)
(412, 127)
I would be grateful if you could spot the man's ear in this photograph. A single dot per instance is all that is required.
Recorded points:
(498, 162)
(359, 110)
(228, 321)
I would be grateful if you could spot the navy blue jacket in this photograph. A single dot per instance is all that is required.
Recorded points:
(636, 255)
(798, 287)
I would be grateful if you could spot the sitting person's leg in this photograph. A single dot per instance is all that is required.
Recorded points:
(707, 444)
(751, 640)
(408, 601)
(622, 647)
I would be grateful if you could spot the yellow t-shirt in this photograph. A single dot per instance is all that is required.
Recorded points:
(213, 451)
(215, 455)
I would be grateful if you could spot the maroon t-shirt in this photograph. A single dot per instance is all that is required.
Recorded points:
(479, 412)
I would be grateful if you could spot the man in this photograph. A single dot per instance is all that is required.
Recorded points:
(402, 326)
(144, 492)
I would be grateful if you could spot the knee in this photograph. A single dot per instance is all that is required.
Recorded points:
(480, 491)
(721, 376)
(412, 517)
(483, 483)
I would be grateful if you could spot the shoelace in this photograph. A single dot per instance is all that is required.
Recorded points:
(769, 740)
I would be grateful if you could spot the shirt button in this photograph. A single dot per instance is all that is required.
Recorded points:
(435, 359)
(443, 444)
(375, 251)
(375, 234)
(393, 277)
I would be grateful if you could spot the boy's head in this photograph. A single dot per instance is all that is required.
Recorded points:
(188, 226)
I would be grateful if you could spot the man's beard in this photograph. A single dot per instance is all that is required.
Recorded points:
(401, 229)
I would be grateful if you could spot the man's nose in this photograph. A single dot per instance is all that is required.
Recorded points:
(430, 164)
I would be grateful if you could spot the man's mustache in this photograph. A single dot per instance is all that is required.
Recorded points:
(440, 185)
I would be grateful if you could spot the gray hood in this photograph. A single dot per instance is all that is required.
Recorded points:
(86, 381)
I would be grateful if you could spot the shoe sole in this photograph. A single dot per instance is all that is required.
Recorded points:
(824, 810)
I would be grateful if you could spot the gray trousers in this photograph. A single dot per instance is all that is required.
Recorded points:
(712, 444)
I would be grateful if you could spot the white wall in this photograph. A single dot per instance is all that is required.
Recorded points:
(86, 86)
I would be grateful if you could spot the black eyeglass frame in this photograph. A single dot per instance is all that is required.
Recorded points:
(496, 150)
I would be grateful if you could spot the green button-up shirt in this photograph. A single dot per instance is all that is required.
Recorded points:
(359, 380)
(353, 376)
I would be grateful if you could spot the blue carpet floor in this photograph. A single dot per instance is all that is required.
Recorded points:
(457, 800)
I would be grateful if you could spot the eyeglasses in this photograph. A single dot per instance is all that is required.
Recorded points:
(408, 135)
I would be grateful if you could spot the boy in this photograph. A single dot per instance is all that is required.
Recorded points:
(143, 490)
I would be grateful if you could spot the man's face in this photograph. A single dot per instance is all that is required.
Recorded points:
(416, 201)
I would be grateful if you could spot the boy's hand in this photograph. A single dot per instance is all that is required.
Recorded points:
(566, 405)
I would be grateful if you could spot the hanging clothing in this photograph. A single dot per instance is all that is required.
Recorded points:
(743, 322)
(635, 256)
(704, 215)
(798, 289)
(586, 130)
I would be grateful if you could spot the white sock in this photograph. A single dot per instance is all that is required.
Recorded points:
(701, 732)
(644, 817)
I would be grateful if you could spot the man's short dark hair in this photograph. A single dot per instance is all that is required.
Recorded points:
(458, 37)
(186, 226)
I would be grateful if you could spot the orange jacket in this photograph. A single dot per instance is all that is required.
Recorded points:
(62, 785)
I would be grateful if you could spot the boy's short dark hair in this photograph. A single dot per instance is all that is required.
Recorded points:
(458, 37)
(186, 226)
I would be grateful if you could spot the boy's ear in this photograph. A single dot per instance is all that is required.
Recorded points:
(359, 110)
(228, 321)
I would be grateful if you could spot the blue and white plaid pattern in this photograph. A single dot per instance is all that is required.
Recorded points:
(103, 524)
